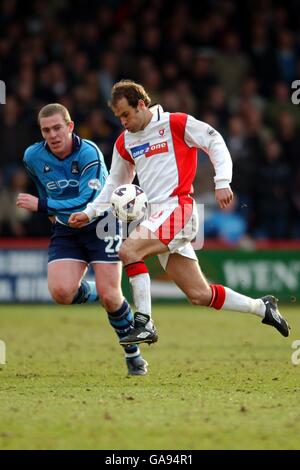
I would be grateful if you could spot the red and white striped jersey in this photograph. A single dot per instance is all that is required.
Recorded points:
(164, 157)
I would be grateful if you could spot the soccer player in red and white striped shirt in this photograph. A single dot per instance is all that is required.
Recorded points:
(161, 148)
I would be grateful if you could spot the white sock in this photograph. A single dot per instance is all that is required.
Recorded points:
(242, 303)
(141, 289)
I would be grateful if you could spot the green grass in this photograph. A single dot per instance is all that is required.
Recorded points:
(217, 380)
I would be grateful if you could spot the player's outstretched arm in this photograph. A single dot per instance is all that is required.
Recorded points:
(78, 220)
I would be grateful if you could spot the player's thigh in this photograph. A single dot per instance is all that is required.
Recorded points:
(140, 244)
(186, 273)
(65, 275)
(107, 275)
(165, 230)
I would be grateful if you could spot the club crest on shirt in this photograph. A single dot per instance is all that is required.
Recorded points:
(162, 132)
(94, 184)
(74, 168)
(47, 168)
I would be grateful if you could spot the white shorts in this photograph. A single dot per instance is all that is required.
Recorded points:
(175, 224)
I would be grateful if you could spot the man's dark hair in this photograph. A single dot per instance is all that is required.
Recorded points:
(130, 90)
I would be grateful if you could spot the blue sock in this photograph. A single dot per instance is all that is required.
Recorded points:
(122, 321)
(86, 293)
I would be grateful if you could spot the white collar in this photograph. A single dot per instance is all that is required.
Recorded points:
(156, 110)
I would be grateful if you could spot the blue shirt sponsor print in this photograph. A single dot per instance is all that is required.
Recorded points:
(140, 150)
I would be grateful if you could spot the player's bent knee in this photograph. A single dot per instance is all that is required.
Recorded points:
(111, 299)
(62, 295)
(127, 254)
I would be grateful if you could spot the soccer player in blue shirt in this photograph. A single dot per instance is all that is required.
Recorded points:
(69, 172)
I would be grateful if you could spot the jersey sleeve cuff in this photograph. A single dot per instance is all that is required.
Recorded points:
(90, 212)
(42, 205)
(222, 184)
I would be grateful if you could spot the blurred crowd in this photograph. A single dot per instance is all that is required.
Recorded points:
(227, 63)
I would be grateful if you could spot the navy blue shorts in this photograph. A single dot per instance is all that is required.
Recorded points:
(84, 244)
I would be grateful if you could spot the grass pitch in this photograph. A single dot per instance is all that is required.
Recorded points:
(217, 380)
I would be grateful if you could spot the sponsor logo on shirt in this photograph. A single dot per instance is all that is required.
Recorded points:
(161, 147)
(62, 184)
(211, 131)
(149, 150)
(139, 150)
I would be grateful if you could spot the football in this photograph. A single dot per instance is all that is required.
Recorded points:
(129, 203)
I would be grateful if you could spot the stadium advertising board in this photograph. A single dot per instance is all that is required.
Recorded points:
(23, 273)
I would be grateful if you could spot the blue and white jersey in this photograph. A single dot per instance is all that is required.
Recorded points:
(68, 185)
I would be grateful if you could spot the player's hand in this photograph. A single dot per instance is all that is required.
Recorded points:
(78, 220)
(224, 197)
(27, 201)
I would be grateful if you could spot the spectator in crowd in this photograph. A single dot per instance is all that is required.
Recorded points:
(220, 63)
(272, 192)
(228, 226)
(14, 221)
(14, 133)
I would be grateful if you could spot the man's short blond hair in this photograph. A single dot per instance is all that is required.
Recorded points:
(54, 108)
